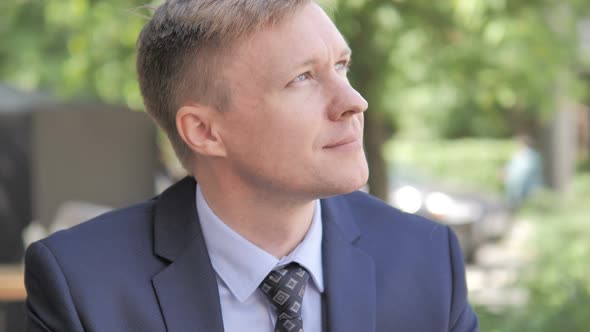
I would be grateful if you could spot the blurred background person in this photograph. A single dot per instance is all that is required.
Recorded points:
(523, 173)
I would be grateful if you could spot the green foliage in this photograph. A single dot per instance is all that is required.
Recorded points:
(77, 48)
(584, 165)
(558, 280)
(470, 163)
(464, 67)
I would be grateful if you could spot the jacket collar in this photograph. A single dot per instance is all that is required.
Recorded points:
(187, 288)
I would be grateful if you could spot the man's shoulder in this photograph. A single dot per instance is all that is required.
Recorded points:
(124, 225)
(400, 240)
(418, 263)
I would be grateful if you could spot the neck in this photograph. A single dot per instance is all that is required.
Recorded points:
(275, 225)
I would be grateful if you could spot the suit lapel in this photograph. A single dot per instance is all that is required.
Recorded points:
(187, 288)
(188, 295)
(349, 273)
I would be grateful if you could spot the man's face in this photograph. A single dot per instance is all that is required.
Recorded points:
(295, 124)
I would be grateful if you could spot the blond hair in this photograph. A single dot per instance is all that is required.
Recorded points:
(181, 50)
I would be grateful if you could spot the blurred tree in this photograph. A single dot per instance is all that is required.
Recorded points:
(428, 68)
(460, 68)
(80, 48)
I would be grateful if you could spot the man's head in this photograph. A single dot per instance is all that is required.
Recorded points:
(181, 52)
(256, 90)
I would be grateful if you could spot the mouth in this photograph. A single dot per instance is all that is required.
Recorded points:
(351, 142)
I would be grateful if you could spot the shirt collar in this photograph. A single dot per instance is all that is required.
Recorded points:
(242, 265)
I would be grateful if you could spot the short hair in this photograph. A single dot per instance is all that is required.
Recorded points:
(180, 52)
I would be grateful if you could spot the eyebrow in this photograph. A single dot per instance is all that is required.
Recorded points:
(345, 52)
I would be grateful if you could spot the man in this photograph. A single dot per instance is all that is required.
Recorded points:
(272, 235)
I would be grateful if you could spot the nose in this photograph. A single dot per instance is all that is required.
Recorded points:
(346, 101)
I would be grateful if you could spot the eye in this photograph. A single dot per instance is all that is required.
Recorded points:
(301, 77)
(343, 65)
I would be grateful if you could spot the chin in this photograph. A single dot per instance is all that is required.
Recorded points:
(358, 183)
(346, 183)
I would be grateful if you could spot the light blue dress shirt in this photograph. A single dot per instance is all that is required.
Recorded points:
(241, 266)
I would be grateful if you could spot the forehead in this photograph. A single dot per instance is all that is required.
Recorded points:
(306, 35)
(306, 28)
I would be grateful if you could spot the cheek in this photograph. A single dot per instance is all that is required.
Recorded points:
(273, 140)
(299, 117)
(284, 126)
(289, 138)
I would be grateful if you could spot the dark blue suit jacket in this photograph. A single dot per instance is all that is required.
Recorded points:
(146, 268)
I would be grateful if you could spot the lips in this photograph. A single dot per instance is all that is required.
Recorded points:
(344, 141)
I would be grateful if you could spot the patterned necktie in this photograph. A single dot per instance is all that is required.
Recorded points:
(284, 288)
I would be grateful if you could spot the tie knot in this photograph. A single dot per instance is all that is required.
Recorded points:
(284, 288)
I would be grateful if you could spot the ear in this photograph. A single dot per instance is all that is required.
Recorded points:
(196, 126)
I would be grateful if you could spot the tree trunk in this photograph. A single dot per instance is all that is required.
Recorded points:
(559, 150)
(375, 136)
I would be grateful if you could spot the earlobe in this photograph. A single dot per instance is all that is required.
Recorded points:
(195, 124)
